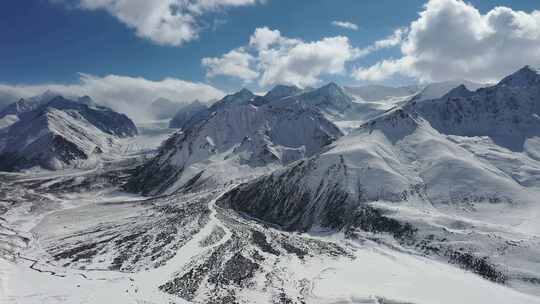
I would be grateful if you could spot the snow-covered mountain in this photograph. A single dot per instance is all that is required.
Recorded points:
(186, 113)
(346, 110)
(330, 98)
(55, 133)
(28, 104)
(236, 126)
(421, 141)
(456, 178)
(239, 136)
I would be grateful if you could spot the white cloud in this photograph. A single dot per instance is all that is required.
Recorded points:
(264, 37)
(165, 22)
(125, 94)
(391, 41)
(303, 63)
(345, 25)
(278, 59)
(235, 63)
(453, 40)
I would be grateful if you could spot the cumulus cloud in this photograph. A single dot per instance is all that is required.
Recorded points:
(451, 39)
(165, 22)
(391, 41)
(125, 94)
(275, 59)
(346, 25)
(235, 63)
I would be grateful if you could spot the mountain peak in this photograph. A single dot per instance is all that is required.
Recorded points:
(282, 91)
(331, 86)
(333, 90)
(526, 76)
(459, 91)
(241, 96)
(244, 91)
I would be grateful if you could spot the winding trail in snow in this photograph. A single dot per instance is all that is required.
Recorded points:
(149, 281)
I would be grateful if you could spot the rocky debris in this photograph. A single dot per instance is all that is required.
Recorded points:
(149, 239)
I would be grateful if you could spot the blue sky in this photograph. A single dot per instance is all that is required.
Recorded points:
(45, 41)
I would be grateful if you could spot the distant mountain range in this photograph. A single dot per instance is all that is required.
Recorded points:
(244, 135)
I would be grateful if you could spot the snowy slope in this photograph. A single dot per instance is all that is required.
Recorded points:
(237, 136)
(469, 156)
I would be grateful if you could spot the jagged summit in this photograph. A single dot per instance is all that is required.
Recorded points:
(526, 76)
(281, 91)
(330, 97)
(239, 97)
(87, 100)
(28, 104)
(460, 91)
(332, 89)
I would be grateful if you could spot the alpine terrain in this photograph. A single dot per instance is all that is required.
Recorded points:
(408, 195)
